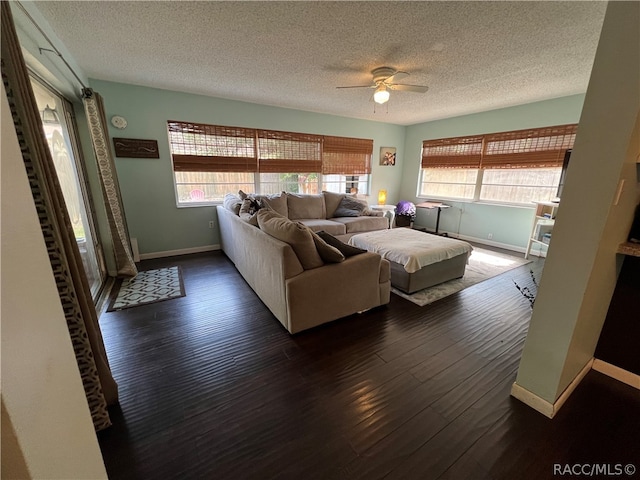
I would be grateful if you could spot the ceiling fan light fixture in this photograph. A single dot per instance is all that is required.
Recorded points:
(381, 95)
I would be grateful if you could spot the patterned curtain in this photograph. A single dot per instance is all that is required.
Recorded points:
(94, 108)
(64, 255)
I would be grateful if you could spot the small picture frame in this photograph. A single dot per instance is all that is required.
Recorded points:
(387, 156)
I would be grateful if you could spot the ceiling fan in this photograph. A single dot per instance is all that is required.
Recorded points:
(384, 79)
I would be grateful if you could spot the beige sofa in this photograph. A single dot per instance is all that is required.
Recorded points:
(301, 299)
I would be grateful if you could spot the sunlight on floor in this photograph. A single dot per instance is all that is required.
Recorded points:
(486, 257)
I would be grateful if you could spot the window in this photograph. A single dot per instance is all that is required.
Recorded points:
(346, 164)
(210, 161)
(271, 183)
(519, 185)
(508, 167)
(459, 183)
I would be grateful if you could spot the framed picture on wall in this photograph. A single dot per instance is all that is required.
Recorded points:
(387, 156)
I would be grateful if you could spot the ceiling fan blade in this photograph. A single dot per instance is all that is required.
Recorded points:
(359, 86)
(409, 88)
(395, 77)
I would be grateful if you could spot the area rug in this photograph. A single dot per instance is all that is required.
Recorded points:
(147, 287)
(483, 264)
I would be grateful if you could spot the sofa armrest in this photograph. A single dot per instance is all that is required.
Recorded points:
(335, 290)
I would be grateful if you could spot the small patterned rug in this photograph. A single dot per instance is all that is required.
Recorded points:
(148, 287)
(483, 265)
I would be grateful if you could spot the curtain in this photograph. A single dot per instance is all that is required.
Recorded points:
(94, 108)
(73, 288)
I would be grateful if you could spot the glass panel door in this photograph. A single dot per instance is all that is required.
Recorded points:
(58, 130)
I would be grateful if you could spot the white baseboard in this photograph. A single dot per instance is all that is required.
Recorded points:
(618, 373)
(182, 251)
(135, 250)
(491, 243)
(482, 241)
(543, 406)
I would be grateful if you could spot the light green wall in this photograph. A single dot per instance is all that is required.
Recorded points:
(509, 226)
(147, 184)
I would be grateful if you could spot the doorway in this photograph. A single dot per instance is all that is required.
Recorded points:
(60, 130)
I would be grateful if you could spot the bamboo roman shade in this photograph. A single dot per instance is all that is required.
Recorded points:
(198, 147)
(289, 152)
(534, 148)
(346, 156)
(531, 148)
(458, 152)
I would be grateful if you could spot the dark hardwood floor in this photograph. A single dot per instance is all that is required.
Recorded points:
(213, 387)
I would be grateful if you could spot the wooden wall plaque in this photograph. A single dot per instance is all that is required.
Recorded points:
(136, 148)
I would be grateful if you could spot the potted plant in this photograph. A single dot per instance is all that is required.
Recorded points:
(405, 213)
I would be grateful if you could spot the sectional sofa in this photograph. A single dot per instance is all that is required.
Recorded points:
(304, 281)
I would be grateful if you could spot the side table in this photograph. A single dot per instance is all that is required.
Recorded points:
(431, 205)
(389, 212)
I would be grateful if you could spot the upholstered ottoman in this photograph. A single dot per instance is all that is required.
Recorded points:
(418, 260)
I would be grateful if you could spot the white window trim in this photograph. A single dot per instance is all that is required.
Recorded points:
(476, 194)
(256, 189)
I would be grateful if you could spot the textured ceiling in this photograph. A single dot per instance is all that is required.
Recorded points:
(474, 56)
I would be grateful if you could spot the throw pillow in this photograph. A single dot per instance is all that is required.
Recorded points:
(346, 250)
(277, 202)
(232, 202)
(293, 233)
(328, 253)
(351, 207)
(249, 209)
(250, 205)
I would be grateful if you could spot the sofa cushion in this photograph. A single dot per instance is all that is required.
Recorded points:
(351, 207)
(331, 226)
(345, 249)
(293, 233)
(276, 202)
(232, 202)
(327, 252)
(332, 201)
(363, 223)
(305, 206)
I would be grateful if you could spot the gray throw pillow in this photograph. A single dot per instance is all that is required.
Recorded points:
(351, 207)
(328, 253)
(346, 250)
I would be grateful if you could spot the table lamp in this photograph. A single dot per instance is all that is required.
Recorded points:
(382, 197)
